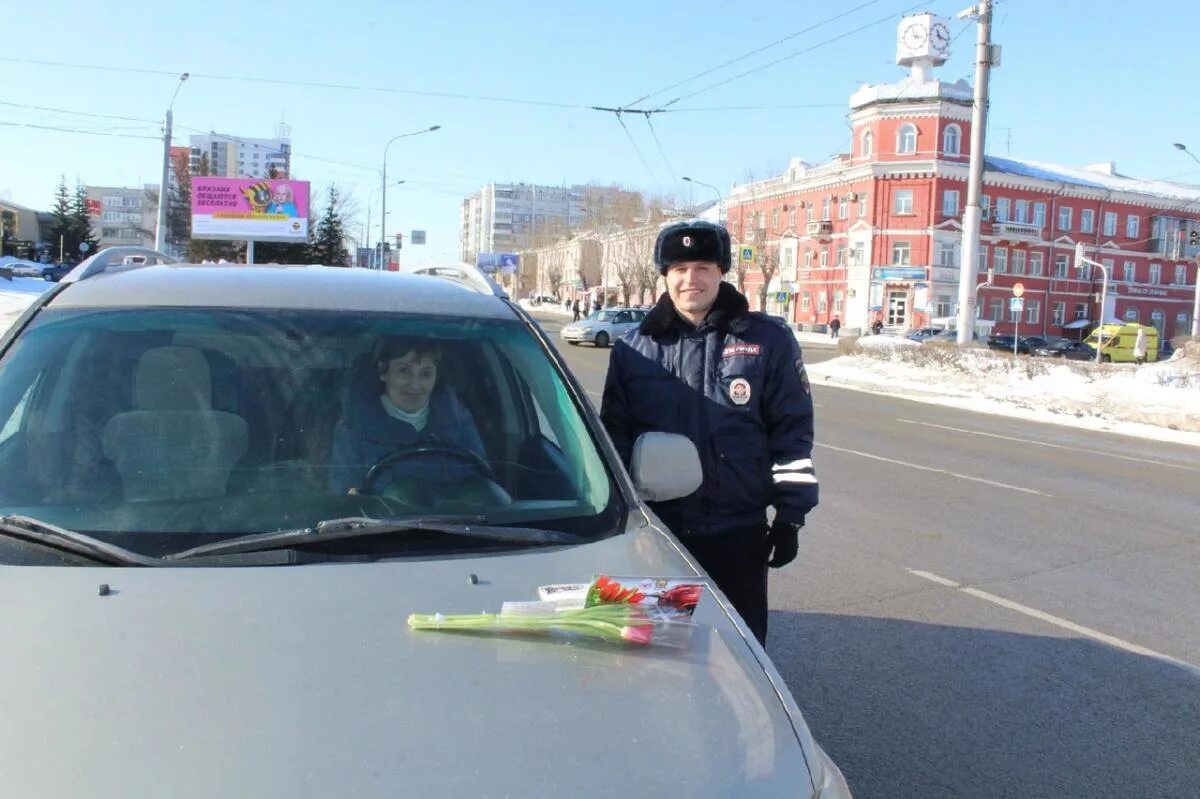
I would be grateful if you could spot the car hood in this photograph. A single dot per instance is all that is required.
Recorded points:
(305, 681)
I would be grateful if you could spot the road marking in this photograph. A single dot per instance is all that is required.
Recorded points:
(1057, 621)
(1051, 446)
(919, 467)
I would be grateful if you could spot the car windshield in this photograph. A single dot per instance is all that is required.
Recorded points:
(603, 316)
(197, 424)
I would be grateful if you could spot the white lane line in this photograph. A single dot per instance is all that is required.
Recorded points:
(919, 467)
(1057, 621)
(1052, 446)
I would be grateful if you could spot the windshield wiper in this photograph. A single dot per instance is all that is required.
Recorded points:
(362, 526)
(26, 528)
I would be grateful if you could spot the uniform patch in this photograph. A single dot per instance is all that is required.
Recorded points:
(733, 350)
(739, 391)
(804, 384)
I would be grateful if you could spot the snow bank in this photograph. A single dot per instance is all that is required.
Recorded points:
(1160, 400)
(16, 296)
(886, 342)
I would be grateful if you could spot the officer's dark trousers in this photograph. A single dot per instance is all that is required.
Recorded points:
(737, 562)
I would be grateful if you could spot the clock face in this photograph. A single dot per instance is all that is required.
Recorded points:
(939, 35)
(914, 35)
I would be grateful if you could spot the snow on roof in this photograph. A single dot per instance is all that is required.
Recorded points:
(1092, 178)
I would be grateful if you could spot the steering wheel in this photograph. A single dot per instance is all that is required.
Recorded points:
(406, 451)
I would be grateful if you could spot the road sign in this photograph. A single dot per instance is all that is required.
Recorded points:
(417, 237)
(1016, 304)
(747, 255)
(84, 246)
(1018, 289)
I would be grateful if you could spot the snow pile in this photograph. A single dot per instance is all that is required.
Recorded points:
(886, 342)
(1106, 396)
(552, 308)
(16, 296)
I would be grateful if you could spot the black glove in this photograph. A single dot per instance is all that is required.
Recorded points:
(783, 542)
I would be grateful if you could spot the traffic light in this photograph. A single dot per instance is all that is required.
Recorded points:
(1194, 237)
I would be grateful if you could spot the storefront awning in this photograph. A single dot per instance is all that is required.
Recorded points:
(1078, 324)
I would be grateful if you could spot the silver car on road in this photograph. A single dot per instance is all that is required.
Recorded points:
(603, 327)
(192, 605)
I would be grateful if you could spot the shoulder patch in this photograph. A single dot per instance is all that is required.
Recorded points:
(804, 384)
(734, 350)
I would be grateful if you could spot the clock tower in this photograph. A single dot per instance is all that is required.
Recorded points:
(922, 42)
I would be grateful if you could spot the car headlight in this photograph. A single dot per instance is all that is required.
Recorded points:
(585, 330)
(830, 782)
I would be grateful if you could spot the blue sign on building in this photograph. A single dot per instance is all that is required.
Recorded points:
(898, 273)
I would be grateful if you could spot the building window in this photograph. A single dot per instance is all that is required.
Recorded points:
(1061, 265)
(789, 261)
(1018, 262)
(1081, 310)
(1060, 314)
(906, 138)
(1110, 267)
(825, 208)
(862, 204)
(837, 301)
(1087, 220)
(1183, 324)
(1039, 214)
(1035, 264)
(1180, 275)
(985, 206)
(903, 201)
(775, 219)
(824, 257)
(981, 260)
(950, 202)
(1064, 218)
(997, 310)
(1132, 225)
(1155, 273)
(943, 305)
(841, 256)
(1002, 206)
(822, 302)
(868, 143)
(901, 253)
(808, 259)
(860, 254)
(1033, 311)
(843, 210)
(946, 254)
(806, 301)
(1000, 259)
(1021, 211)
(1110, 223)
(792, 218)
(808, 213)
(952, 140)
(1130, 272)
(1131, 314)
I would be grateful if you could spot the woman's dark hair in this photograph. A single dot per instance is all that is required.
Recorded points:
(393, 347)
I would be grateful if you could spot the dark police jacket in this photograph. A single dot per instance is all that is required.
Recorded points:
(736, 387)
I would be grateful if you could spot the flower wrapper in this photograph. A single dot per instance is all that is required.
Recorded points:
(624, 624)
(665, 598)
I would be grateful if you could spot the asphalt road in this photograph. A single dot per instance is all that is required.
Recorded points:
(987, 607)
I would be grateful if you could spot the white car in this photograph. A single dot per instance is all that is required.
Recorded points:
(604, 327)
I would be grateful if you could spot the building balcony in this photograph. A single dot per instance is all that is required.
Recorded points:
(1018, 231)
(822, 227)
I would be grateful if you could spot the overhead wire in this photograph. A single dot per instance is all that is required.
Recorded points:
(78, 130)
(638, 150)
(662, 152)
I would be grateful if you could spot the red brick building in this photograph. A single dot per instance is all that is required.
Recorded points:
(876, 233)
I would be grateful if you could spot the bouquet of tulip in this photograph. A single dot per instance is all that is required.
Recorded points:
(612, 613)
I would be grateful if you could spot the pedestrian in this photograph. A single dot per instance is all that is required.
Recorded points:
(877, 327)
(834, 327)
(702, 365)
(596, 306)
(575, 309)
(567, 305)
(1139, 347)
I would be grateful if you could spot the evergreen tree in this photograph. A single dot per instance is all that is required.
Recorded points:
(59, 233)
(81, 224)
(329, 246)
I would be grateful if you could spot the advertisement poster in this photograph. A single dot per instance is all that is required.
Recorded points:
(245, 209)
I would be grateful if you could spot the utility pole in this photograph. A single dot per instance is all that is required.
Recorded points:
(160, 231)
(971, 214)
(1196, 303)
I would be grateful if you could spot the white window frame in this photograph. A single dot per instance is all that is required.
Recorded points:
(1062, 266)
(1037, 264)
(1060, 314)
(867, 147)
(950, 202)
(822, 302)
(1081, 310)
(1039, 214)
(1033, 311)
(996, 309)
(1110, 223)
(824, 259)
(862, 205)
(843, 209)
(944, 305)
(1000, 260)
(1133, 226)
(1087, 220)
(1018, 262)
(901, 253)
(898, 202)
(826, 209)
(1155, 274)
(808, 259)
(838, 300)
(1129, 272)
(1003, 207)
(1064, 218)
(952, 140)
(1021, 211)
(1180, 274)
(947, 254)
(805, 301)
(906, 139)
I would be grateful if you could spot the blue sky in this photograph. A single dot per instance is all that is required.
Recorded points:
(1080, 82)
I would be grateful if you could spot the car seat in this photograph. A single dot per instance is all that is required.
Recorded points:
(173, 445)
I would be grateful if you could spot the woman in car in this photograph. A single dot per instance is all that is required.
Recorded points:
(398, 404)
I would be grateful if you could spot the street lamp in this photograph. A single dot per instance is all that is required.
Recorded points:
(383, 180)
(370, 198)
(1196, 301)
(160, 231)
(1080, 260)
(720, 199)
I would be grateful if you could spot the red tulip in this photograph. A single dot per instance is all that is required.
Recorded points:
(638, 634)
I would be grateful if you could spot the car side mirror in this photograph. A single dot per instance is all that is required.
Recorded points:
(665, 466)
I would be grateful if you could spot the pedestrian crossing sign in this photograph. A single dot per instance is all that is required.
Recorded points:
(1016, 304)
(747, 255)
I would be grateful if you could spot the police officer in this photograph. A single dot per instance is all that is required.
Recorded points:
(703, 365)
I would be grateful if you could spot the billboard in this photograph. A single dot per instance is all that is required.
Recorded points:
(417, 237)
(491, 262)
(245, 209)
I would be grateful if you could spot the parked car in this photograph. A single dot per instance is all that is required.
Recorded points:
(603, 327)
(922, 333)
(1023, 346)
(56, 272)
(178, 415)
(946, 337)
(1063, 348)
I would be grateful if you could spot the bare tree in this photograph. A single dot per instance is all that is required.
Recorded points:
(554, 275)
(767, 262)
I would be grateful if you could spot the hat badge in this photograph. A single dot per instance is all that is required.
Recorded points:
(687, 241)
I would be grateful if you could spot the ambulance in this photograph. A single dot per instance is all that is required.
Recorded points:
(1116, 341)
